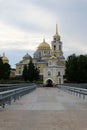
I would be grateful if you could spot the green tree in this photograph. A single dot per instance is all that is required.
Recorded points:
(25, 73)
(33, 72)
(6, 71)
(1, 68)
(71, 68)
(76, 68)
(82, 68)
(30, 72)
(37, 74)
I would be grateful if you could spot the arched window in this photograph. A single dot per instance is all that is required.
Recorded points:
(19, 71)
(50, 63)
(39, 54)
(59, 47)
(59, 73)
(49, 73)
(59, 80)
(54, 47)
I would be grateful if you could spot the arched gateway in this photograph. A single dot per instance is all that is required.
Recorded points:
(49, 83)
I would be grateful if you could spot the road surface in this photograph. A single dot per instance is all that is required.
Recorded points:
(45, 109)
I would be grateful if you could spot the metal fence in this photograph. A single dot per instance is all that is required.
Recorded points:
(7, 96)
(5, 87)
(79, 85)
(74, 90)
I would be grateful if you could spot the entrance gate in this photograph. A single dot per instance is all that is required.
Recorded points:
(49, 83)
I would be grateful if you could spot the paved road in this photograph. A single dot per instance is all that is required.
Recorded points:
(45, 109)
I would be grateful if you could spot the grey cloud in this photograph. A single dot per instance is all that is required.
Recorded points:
(70, 15)
(16, 13)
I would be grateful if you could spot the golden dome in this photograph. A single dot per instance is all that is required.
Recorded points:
(44, 46)
(4, 58)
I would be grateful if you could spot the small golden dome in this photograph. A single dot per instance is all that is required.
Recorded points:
(4, 58)
(44, 46)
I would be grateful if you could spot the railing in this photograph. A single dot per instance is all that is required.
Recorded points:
(7, 96)
(5, 87)
(77, 85)
(75, 91)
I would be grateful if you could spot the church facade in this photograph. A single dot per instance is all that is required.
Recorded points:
(48, 59)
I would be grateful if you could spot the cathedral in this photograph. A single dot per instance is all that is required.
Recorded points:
(48, 59)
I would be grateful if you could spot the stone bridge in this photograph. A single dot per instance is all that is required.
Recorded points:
(45, 109)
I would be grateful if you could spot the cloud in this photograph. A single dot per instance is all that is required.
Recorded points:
(24, 24)
(71, 46)
(26, 16)
(11, 37)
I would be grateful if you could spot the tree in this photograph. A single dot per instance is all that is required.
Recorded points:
(82, 68)
(76, 68)
(6, 71)
(37, 74)
(25, 73)
(30, 72)
(71, 68)
(1, 68)
(33, 72)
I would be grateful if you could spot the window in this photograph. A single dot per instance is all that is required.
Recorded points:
(59, 47)
(50, 63)
(19, 71)
(39, 54)
(49, 73)
(59, 73)
(54, 47)
(54, 38)
(57, 62)
(45, 52)
(59, 80)
(38, 67)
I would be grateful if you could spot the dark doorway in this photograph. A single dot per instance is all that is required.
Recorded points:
(49, 83)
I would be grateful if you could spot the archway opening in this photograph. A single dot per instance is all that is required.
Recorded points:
(49, 83)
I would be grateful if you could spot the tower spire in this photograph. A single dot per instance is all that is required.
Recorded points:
(56, 36)
(56, 29)
(44, 40)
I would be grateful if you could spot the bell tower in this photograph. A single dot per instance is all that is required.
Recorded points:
(56, 44)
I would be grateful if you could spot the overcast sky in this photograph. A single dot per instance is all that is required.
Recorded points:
(24, 24)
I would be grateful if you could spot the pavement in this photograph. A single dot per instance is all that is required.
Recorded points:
(45, 109)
